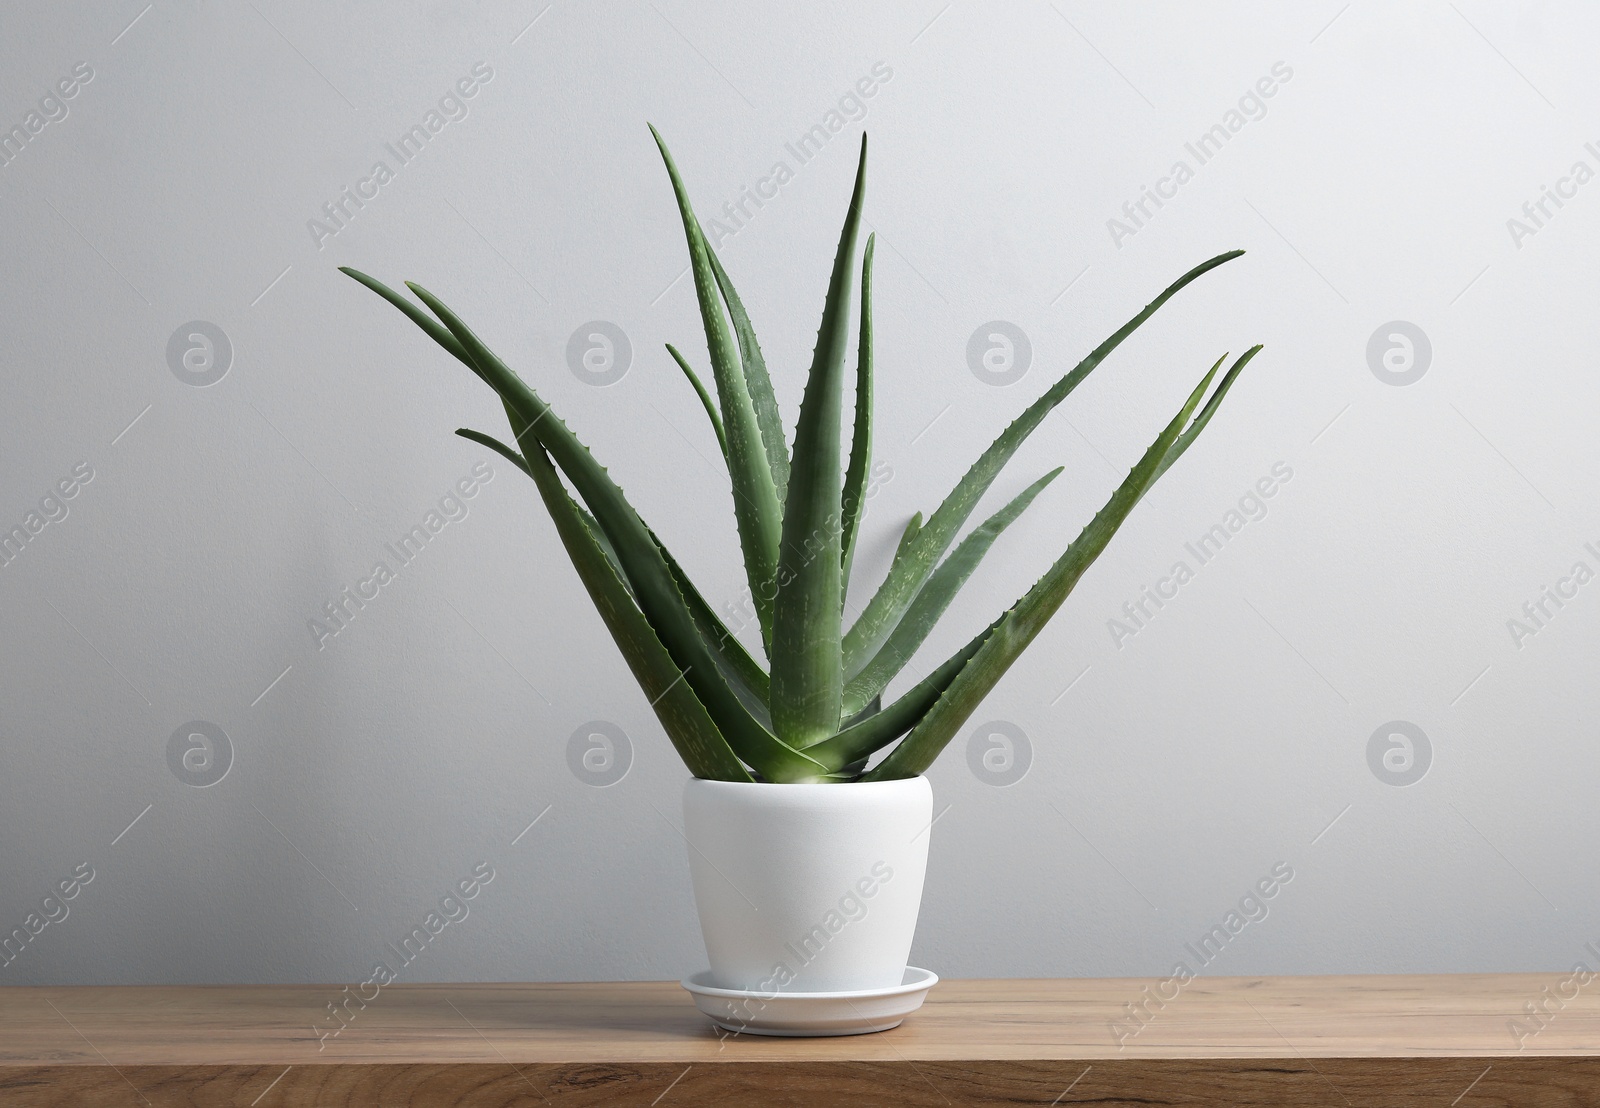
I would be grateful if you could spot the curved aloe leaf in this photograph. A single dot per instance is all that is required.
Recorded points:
(932, 600)
(731, 654)
(756, 507)
(687, 724)
(742, 672)
(879, 730)
(850, 772)
(908, 536)
(1024, 620)
(855, 478)
(653, 583)
(866, 713)
(435, 330)
(705, 399)
(756, 380)
(595, 530)
(799, 548)
(1186, 439)
(735, 660)
(807, 670)
(908, 572)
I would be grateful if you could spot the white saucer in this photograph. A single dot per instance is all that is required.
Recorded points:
(746, 1011)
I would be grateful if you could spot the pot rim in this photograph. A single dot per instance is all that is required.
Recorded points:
(898, 782)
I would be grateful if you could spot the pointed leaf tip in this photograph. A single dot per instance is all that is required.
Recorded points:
(756, 507)
(916, 560)
(807, 664)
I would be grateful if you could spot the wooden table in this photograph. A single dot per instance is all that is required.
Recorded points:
(1446, 1040)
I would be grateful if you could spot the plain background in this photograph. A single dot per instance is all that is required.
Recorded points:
(1170, 770)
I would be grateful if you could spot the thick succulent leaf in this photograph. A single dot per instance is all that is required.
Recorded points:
(1018, 627)
(855, 477)
(511, 456)
(654, 577)
(654, 587)
(604, 541)
(908, 536)
(698, 742)
(871, 709)
(879, 730)
(517, 460)
(910, 569)
(589, 521)
(741, 671)
(756, 507)
(705, 400)
(932, 600)
(435, 330)
(756, 379)
(849, 772)
(807, 671)
(1186, 439)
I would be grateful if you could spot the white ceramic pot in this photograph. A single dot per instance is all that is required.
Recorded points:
(808, 888)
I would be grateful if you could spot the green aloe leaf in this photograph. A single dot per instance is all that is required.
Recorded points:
(696, 737)
(738, 667)
(756, 507)
(880, 729)
(517, 460)
(1024, 620)
(653, 583)
(705, 399)
(850, 772)
(799, 518)
(807, 669)
(908, 536)
(731, 652)
(435, 330)
(742, 671)
(932, 600)
(867, 712)
(1187, 438)
(910, 569)
(521, 463)
(652, 573)
(855, 478)
(756, 379)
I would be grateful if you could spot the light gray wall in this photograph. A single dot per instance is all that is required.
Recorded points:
(1171, 768)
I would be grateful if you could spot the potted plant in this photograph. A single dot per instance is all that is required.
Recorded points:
(807, 814)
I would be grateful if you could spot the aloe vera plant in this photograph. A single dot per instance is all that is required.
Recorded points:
(815, 712)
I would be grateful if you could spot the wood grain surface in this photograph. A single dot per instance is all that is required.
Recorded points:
(1440, 1040)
